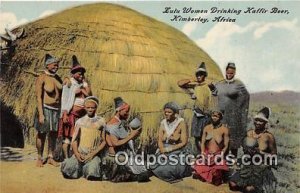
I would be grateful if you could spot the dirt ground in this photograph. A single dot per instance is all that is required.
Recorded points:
(19, 174)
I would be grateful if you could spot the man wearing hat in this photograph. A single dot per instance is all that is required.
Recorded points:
(119, 138)
(201, 96)
(88, 144)
(72, 101)
(258, 142)
(233, 100)
(48, 88)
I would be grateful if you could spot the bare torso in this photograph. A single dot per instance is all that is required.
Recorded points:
(265, 140)
(52, 87)
(175, 137)
(215, 138)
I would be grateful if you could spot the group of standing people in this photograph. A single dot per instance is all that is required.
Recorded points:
(67, 109)
(232, 101)
(223, 130)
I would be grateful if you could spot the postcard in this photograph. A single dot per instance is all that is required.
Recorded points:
(149, 96)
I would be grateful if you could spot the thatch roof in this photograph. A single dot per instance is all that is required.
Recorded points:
(125, 53)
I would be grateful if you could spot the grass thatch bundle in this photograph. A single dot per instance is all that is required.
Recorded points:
(125, 53)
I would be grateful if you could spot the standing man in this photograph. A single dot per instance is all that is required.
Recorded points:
(201, 96)
(72, 107)
(48, 88)
(233, 100)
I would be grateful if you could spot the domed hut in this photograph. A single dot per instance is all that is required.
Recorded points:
(125, 53)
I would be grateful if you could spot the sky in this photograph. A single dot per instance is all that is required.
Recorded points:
(264, 46)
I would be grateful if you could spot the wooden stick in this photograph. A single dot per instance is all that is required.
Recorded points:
(35, 74)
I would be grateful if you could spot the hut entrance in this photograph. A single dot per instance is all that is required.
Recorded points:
(11, 129)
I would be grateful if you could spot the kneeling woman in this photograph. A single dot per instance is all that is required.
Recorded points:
(171, 163)
(212, 165)
(259, 144)
(88, 143)
(119, 138)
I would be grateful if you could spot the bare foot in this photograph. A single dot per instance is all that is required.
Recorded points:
(51, 161)
(39, 163)
(250, 189)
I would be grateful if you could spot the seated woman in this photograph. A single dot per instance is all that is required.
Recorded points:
(212, 165)
(88, 143)
(119, 138)
(172, 139)
(259, 142)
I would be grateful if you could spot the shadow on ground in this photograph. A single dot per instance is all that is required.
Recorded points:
(17, 154)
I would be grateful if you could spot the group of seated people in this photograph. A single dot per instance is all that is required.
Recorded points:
(95, 144)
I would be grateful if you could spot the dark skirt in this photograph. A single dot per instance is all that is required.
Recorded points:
(169, 172)
(114, 172)
(261, 177)
(73, 169)
(123, 173)
(50, 123)
(198, 124)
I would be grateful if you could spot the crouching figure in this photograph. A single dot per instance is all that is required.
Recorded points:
(88, 143)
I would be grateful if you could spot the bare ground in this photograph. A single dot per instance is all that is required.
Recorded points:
(19, 174)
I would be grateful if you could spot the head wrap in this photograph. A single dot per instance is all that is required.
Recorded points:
(173, 106)
(218, 111)
(50, 60)
(263, 114)
(201, 69)
(92, 99)
(230, 65)
(76, 67)
(120, 104)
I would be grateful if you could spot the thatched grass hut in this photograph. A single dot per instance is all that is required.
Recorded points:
(125, 53)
